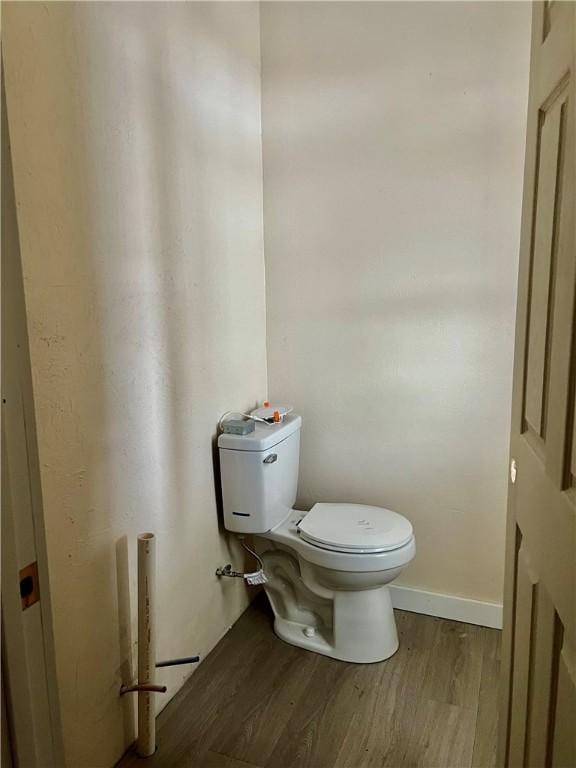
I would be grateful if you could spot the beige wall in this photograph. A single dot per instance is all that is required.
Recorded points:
(137, 157)
(393, 142)
(393, 138)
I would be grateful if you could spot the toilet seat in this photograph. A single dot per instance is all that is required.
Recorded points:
(355, 528)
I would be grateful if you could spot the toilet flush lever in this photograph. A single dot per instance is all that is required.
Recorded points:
(271, 458)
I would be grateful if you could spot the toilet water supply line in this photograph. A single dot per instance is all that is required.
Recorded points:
(254, 578)
(147, 664)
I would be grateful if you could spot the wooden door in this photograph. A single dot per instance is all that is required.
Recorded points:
(538, 718)
(28, 654)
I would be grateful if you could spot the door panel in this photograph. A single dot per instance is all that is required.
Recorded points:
(551, 136)
(526, 592)
(543, 674)
(539, 686)
(562, 748)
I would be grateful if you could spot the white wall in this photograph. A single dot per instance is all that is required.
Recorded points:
(137, 157)
(393, 138)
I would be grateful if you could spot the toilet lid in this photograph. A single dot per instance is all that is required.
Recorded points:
(355, 528)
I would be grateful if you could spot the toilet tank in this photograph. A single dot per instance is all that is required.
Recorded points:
(259, 475)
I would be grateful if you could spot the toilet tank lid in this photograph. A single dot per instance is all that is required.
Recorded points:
(355, 528)
(264, 437)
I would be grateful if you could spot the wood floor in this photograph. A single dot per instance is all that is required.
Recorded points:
(258, 702)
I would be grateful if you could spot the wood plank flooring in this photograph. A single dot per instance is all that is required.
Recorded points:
(257, 702)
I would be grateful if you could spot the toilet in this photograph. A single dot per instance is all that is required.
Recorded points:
(328, 569)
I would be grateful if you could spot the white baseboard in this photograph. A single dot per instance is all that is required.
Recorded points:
(447, 606)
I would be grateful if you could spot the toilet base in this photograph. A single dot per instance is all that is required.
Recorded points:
(344, 614)
(362, 631)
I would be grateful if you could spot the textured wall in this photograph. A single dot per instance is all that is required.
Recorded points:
(137, 158)
(393, 138)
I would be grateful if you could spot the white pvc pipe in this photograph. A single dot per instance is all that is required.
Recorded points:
(146, 744)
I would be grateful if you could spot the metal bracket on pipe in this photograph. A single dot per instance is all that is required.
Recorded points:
(149, 687)
(153, 688)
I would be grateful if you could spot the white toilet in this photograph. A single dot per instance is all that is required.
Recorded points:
(327, 569)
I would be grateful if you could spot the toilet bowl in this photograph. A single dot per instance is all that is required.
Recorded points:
(327, 569)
